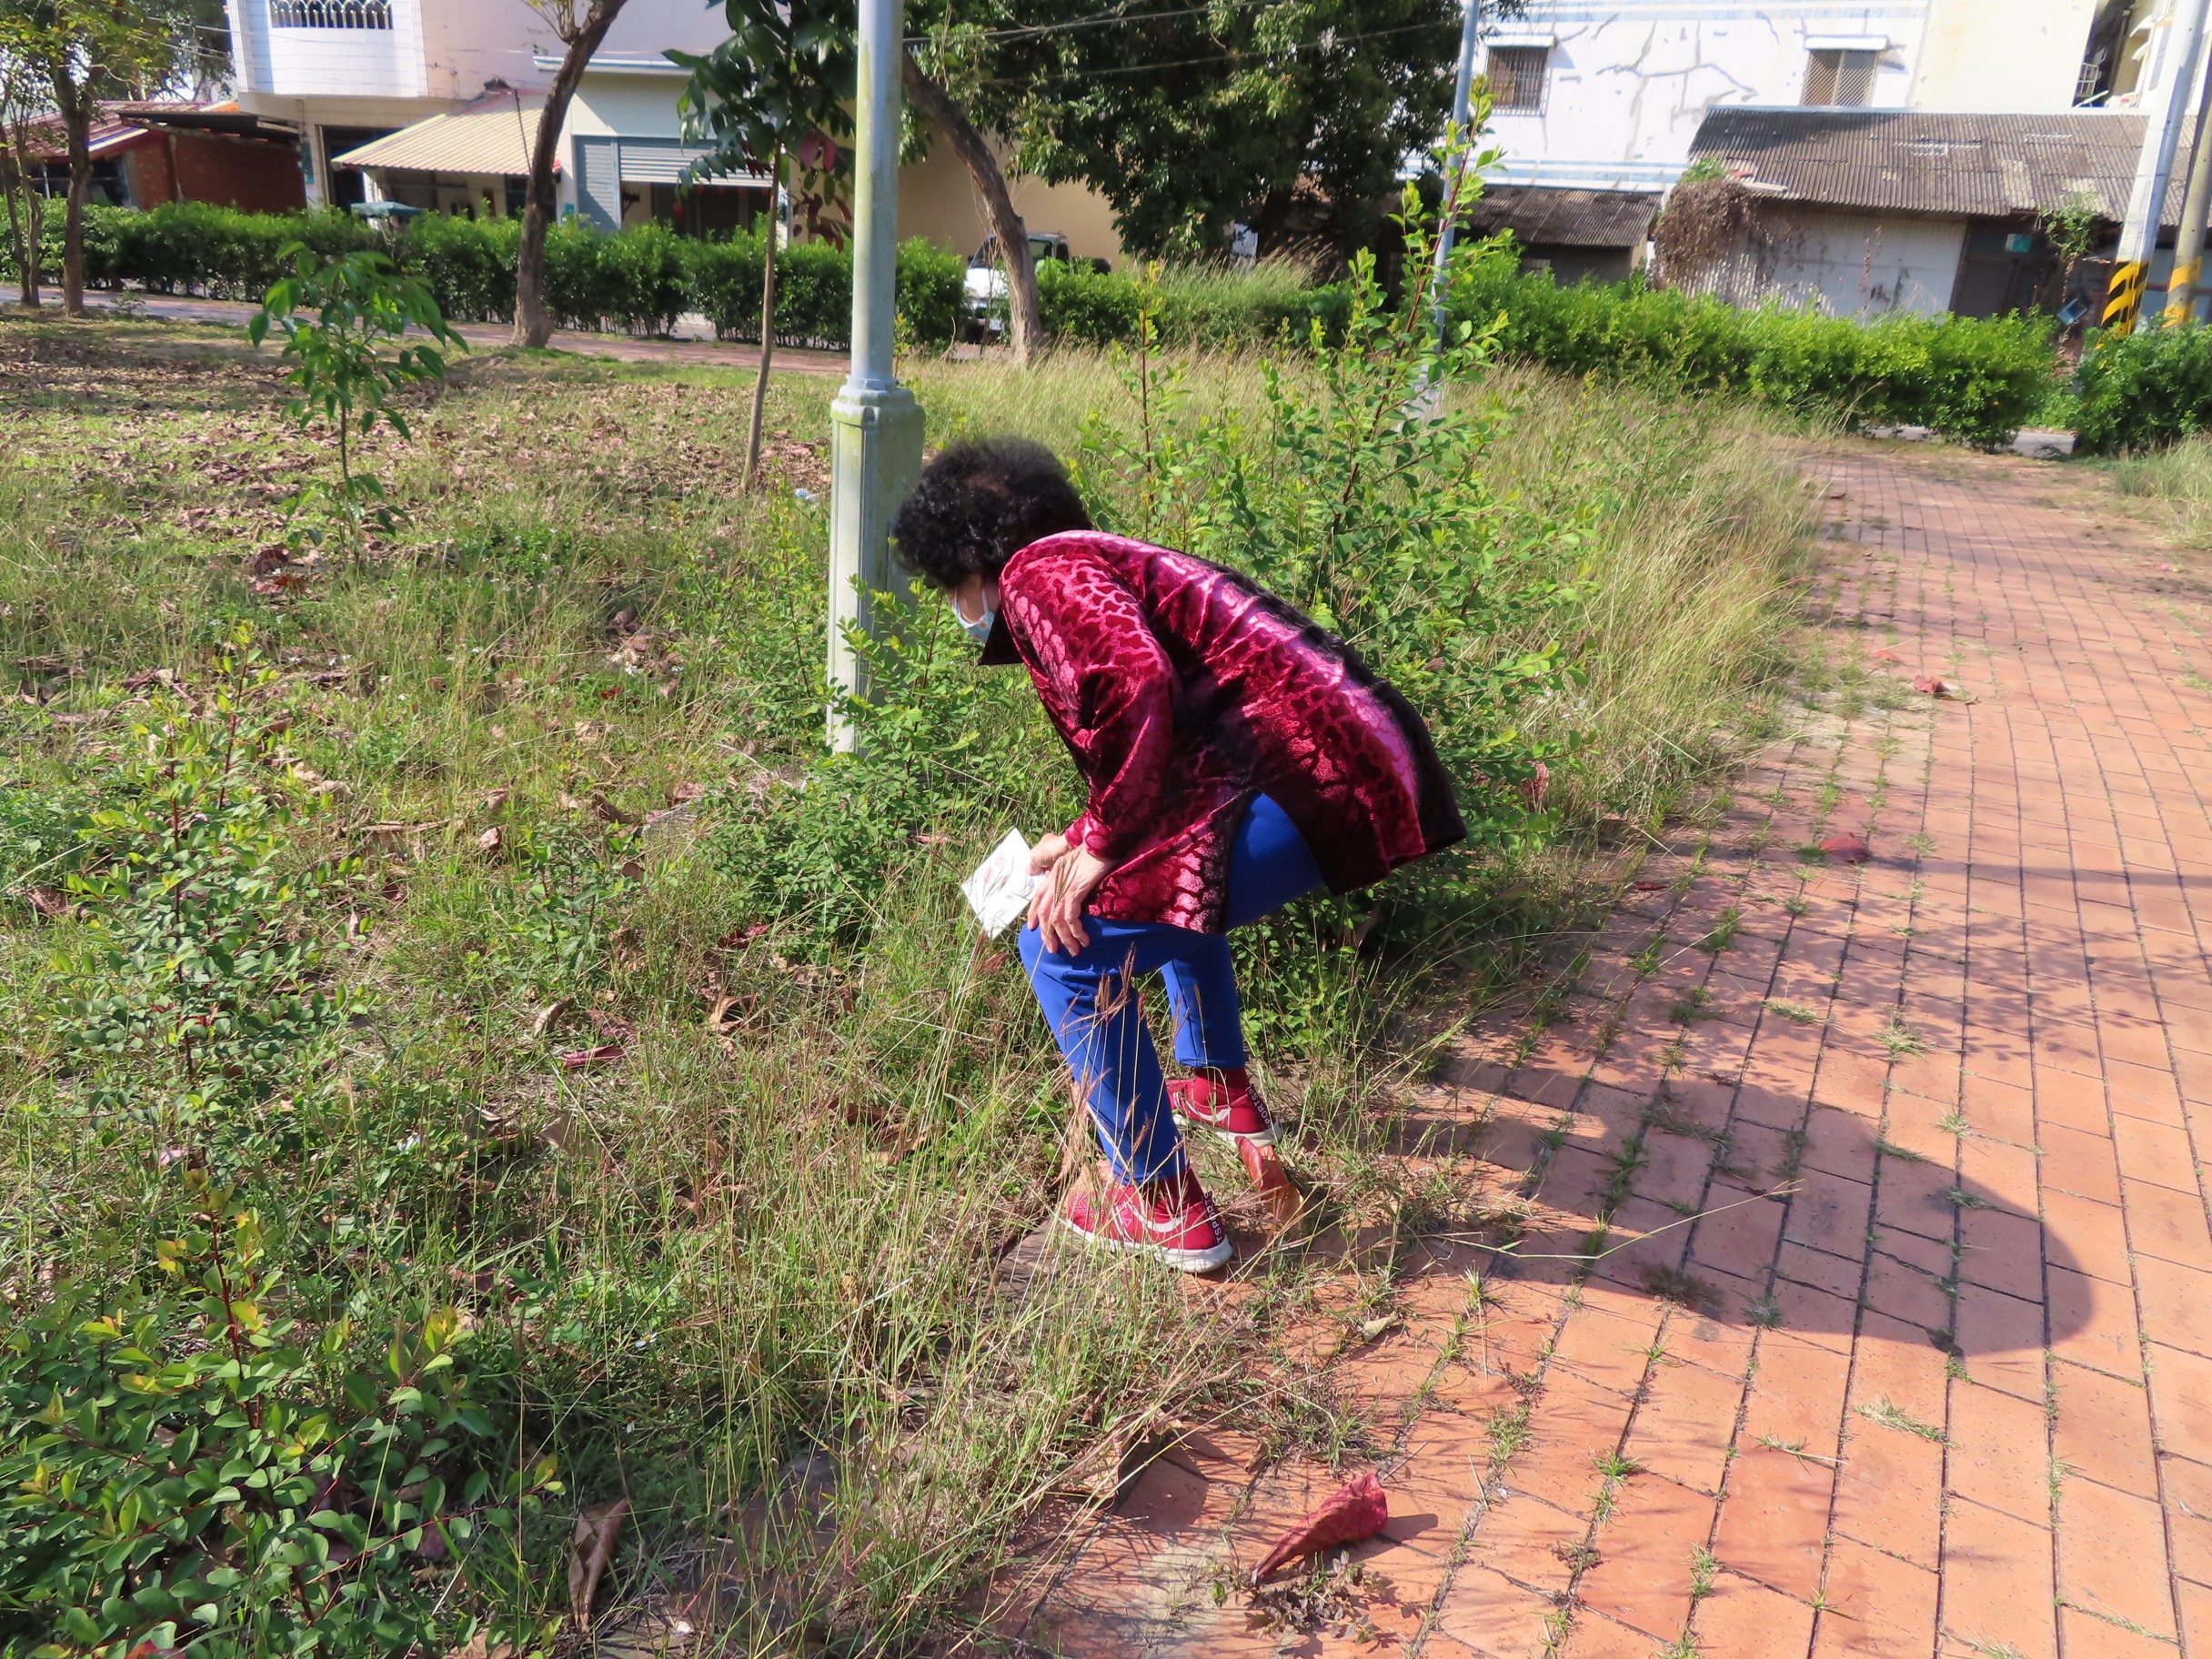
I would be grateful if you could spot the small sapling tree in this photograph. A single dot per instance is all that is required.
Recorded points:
(344, 318)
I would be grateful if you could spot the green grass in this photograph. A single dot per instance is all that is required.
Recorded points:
(773, 1247)
(2174, 485)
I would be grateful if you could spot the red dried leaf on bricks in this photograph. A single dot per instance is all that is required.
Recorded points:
(1352, 1514)
(575, 1060)
(1931, 686)
(1886, 655)
(1270, 1181)
(1846, 848)
(1649, 886)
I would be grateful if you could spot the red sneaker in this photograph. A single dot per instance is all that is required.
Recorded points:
(1221, 1099)
(1171, 1219)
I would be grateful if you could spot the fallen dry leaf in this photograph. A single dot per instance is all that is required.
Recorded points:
(1352, 1514)
(589, 1549)
(607, 812)
(1886, 655)
(547, 1014)
(1933, 687)
(684, 792)
(47, 903)
(575, 1060)
(1846, 848)
(1271, 1181)
(1649, 886)
(492, 839)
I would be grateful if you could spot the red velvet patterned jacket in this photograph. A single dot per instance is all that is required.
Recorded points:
(1182, 690)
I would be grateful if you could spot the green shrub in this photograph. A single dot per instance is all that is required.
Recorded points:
(1201, 305)
(933, 290)
(468, 265)
(725, 281)
(642, 270)
(184, 1469)
(2146, 389)
(1975, 379)
(1087, 307)
(814, 290)
(813, 295)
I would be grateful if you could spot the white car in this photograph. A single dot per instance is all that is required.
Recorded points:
(985, 282)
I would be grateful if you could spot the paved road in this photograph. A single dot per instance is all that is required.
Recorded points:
(695, 344)
(1930, 1371)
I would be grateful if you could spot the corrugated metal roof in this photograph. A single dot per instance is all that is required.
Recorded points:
(121, 123)
(1918, 161)
(493, 139)
(1565, 218)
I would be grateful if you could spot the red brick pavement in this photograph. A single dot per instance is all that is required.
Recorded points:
(1938, 1379)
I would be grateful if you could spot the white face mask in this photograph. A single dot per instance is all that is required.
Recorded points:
(980, 629)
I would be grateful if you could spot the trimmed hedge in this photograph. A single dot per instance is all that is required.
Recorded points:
(638, 280)
(1976, 380)
(2144, 391)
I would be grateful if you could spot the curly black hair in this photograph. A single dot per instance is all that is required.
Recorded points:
(978, 503)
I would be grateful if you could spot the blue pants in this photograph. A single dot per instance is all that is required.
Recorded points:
(1089, 998)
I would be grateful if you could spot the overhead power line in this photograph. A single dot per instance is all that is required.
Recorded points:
(1256, 53)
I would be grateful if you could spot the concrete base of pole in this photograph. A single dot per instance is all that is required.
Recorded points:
(875, 454)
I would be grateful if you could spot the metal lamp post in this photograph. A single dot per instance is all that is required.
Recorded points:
(875, 425)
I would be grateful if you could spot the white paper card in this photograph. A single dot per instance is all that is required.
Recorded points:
(1001, 890)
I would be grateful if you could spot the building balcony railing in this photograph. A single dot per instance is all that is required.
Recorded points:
(330, 13)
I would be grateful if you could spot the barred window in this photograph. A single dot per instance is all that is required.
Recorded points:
(330, 13)
(1516, 76)
(1842, 79)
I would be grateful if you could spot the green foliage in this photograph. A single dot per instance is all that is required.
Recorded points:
(1293, 120)
(944, 742)
(1087, 307)
(468, 265)
(350, 356)
(196, 988)
(1977, 380)
(777, 91)
(2144, 390)
(199, 247)
(185, 1468)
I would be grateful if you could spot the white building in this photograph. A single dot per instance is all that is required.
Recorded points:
(348, 72)
(1600, 106)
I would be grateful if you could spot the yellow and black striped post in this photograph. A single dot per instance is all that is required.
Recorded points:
(2181, 292)
(2123, 298)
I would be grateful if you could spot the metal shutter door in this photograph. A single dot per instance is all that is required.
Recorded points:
(599, 183)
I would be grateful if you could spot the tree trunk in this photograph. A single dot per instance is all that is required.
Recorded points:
(532, 326)
(1025, 318)
(24, 220)
(77, 122)
(768, 318)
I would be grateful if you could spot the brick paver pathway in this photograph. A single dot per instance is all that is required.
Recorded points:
(1937, 1380)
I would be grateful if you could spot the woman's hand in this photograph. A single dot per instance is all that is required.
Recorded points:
(1057, 910)
(1047, 853)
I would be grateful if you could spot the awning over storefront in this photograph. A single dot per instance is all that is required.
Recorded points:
(495, 139)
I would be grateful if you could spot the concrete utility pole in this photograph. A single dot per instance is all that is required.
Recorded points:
(2189, 239)
(1463, 88)
(875, 425)
(2164, 116)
